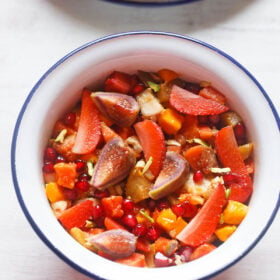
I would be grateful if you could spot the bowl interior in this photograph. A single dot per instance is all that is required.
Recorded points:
(60, 88)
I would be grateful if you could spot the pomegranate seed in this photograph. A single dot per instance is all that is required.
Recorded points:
(48, 167)
(153, 233)
(140, 230)
(84, 177)
(214, 119)
(162, 204)
(198, 176)
(82, 185)
(50, 154)
(178, 209)
(240, 132)
(129, 220)
(59, 159)
(70, 119)
(138, 88)
(127, 205)
(97, 212)
(81, 165)
(190, 210)
(70, 194)
(101, 194)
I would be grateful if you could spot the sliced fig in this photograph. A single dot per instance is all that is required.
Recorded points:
(114, 164)
(173, 174)
(116, 243)
(120, 108)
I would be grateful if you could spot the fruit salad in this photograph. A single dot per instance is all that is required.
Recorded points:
(151, 170)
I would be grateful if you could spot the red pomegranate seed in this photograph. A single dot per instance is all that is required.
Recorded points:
(198, 176)
(59, 159)
(101, 194)
(50, 154)
(70, 194)
(81, 165)
(83, 177)
(82, 185)
(178, 209)
(48, 167)
(240, 131)
(138, 88)
(97, 212)
(140, 230)
(153, 233)
(127, 205)
(214, 119)
(190, 210)
(162, 204)
(70, 119)
(129, 220)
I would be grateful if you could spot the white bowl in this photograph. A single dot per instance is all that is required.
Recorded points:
(59, 89)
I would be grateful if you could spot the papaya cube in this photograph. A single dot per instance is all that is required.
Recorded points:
(234, 212)
(170, 121)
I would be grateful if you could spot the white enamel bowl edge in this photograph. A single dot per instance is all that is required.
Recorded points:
(59, 89)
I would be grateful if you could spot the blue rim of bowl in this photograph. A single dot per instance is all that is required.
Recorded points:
(151, 3)
(52, 68)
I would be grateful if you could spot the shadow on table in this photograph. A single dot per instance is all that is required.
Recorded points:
(111, 18)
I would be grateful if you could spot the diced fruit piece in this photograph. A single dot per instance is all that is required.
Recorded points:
(166, 246)
(66, 174)
(170, 121)
(166, 219)
(229, 155)
(234, 212)
(189, 103)
(149, 104)
(178, 226)
(65, 149)
(230, 118)
(152, 140)
(119, 82)
(137, 186)
(246, 150)
(201, 158)
(116, 243)
(107, 132)
(112, 206)
(161, 260)
(54, 192)
(172, 176)
(143, 245)
(202, 250)
(190, 129)
(211, 93)
(77, 215)
(113, 165)
(224, 232)
(112, 224)
(203, 225)
(89, 134)
(80, 236)
(167, 75)
(120, 108)
(136, 259)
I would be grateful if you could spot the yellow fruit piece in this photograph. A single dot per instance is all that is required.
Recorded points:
(178, 226)
(234, 212)
(54, 192)
(166, 219)
(225, 232)
(170, 121)
(81, 237)
(246, 150)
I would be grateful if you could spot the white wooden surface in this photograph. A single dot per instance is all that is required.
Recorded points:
(34, 34)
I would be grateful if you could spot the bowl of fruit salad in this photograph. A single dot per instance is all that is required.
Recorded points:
(150, 155)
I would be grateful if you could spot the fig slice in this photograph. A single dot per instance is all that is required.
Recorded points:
(172, 176)
(113, 165)
(120, 108)
(116, 243)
